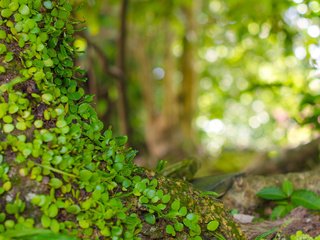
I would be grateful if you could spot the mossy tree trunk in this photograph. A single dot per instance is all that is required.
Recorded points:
(58, 170)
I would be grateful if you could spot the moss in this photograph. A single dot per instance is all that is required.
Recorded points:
(57, 164)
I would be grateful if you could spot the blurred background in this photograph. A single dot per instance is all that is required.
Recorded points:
(226, 84)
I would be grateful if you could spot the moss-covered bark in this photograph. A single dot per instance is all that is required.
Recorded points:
(58, 170)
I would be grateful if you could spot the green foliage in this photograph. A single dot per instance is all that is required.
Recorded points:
(33, 234)
(213, 225)
(288, 198)
(301, 236)
(265, 234)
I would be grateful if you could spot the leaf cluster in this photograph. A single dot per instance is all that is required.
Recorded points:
(286, 198)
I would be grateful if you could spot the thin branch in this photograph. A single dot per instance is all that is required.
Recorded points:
(112, 71)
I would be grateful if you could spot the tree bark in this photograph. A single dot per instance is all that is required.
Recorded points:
(303, 157)
(122, 85)
(189, 82)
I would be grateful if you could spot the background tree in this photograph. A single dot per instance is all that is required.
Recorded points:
(247, 64)
(61, 171)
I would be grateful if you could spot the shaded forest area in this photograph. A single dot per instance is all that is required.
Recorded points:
(220, 98)
(187, 79)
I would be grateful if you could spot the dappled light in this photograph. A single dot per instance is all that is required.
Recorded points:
(128, 119)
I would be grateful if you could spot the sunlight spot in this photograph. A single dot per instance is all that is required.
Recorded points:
(298, 1)
(278, 133)
(300, 52)
(222, 51)
(263, 117)
(303, 23)
(258, 106)
(242, 84)
(214, 126)
(254, 122)
(298, 135)
(266, 73)
(265, 31)
(253, 28)
(200, 121)
(177, 50)
(214, 147)
(314, 85)
(314, 51)
(202, 18)
(314, 31)
(243, 139)
(226, 82)
(215, 6)
(206, 83)
(205, 101)
(211, 55)
(158, 73)
(231, 36)
(291, 16)
(302, 8)
(315, 6)
(246, 99)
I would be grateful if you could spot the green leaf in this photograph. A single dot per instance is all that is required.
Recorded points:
(213, 225)
(150, 193)
(53, 211)
(150, 218)
(178, 226)
(24, 10)
(55, 183)
(272, 193)
(38, 123)
(170, 230)
(13, 108)
(166, 198)
(306, 198)
(7, 128)
(47, 97)
(175, 205)
(143, 199)
(140, 186)
(279, 211)
(61, 123)
(3, 109)
(3, 34)
(85, 175)
(6, 13)
(265, 234)
(74, 209)
(183, 211)
(48, 4)
(83, 223)
(54, 226)
(35, 234)
(45, 221)
(14, 6)
(121, 140)
(192, 217)
(287, 187)
(47, 137)
(21, 126)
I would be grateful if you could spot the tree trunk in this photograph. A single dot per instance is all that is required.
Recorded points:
(122, 85)
(189, 82)
(58, 171)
